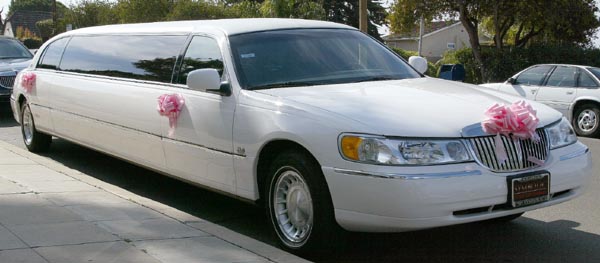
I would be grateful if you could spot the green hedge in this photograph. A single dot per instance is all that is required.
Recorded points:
(32, 43)
(500, 65)
(432, 69)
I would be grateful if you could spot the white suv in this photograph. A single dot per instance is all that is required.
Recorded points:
(571, 89)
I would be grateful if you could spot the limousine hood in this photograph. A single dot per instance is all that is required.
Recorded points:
(423, 107)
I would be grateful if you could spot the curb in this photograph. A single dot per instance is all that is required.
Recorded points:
(257, 247)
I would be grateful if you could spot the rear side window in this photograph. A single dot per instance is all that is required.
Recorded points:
(532, 76)
(203, 52)
(586, 81)
(562, 77)
(53, 53)
(137, 57)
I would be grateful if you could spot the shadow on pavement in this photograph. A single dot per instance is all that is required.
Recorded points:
(7, 120)
(523, 240)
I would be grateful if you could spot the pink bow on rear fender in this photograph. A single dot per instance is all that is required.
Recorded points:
(28, 81)
(518, 119)
(170, 105)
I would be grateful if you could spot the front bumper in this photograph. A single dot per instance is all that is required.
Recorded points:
(433, 196)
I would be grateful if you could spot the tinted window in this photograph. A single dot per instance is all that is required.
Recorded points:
(595, 71)
(137, 57)
(533, 76)
(203, 52)
(10, 48)
(586, 81)
(302, 57)
(53, 54)
(562, 77)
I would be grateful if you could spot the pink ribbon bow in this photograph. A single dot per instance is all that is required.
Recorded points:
(28, 81)
(170, 105)
(518, 119)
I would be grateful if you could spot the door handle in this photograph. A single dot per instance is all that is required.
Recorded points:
(569, 92)
(533, 91)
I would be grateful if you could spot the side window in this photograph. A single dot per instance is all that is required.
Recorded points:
(533, 76)
(203, 52)
(586, 81)
(562, 77)
(53, 54)
(141, 57)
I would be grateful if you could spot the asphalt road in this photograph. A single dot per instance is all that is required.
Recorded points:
(569, 232)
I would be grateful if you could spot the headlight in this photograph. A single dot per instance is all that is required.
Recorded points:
(381, 150)
(561, 134)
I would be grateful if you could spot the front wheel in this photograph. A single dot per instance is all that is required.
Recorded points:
(299, 205)
(34, 141)
(586, 119)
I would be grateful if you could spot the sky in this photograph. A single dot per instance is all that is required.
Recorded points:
(4, 4)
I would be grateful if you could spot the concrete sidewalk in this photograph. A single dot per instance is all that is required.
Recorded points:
(51, 213)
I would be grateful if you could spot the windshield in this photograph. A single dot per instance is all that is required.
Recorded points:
(305, 57)
(10, 48)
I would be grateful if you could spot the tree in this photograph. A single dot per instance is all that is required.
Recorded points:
(194, 10)
(292, 9)
(34, 5)
(140, 11)
(91, 13)
(524, 20)
(347, 12)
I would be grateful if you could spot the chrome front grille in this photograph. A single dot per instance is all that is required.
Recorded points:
(517, 151)
(7, 81)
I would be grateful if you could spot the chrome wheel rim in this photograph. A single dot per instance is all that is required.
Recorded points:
(587, 120)
(293, 208)
(27, 126)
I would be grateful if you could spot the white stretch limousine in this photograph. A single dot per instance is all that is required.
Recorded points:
(316, 121)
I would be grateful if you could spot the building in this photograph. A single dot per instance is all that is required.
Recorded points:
(26, 20)
(438, 38)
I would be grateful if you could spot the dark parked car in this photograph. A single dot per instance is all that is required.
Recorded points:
(14, 57)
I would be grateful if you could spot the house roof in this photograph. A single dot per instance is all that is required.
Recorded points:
(27, 19)
(430, 28)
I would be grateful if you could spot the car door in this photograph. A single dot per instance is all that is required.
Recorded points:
(528, 82)
(560, 88)
(201, 148)
(106, 94)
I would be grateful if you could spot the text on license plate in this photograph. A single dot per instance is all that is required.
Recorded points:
(530, 190)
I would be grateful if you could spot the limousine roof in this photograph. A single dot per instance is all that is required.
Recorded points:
(228, 26)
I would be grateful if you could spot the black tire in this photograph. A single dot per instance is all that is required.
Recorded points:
(506, 219)
(322, 232)
(34, 141)
(589, 115)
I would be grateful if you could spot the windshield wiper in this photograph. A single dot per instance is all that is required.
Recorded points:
(376, 79)
(284, 84)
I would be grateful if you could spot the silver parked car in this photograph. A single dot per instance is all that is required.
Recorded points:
(14, 57)
(571, 89)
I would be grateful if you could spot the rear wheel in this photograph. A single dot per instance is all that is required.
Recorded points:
(34, 141)
(299, 205)
(586, 120)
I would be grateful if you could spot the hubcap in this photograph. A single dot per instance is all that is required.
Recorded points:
(27, 126)
(292, 205)
(587, 120)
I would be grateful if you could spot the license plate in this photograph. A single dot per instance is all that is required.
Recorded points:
(529, 189)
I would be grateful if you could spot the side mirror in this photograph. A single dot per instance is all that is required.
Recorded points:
(419, 63)
(208, 80)
(511, 81)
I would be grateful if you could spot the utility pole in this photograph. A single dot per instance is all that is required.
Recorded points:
(363, 15)
(421, 31)
(54, 11)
